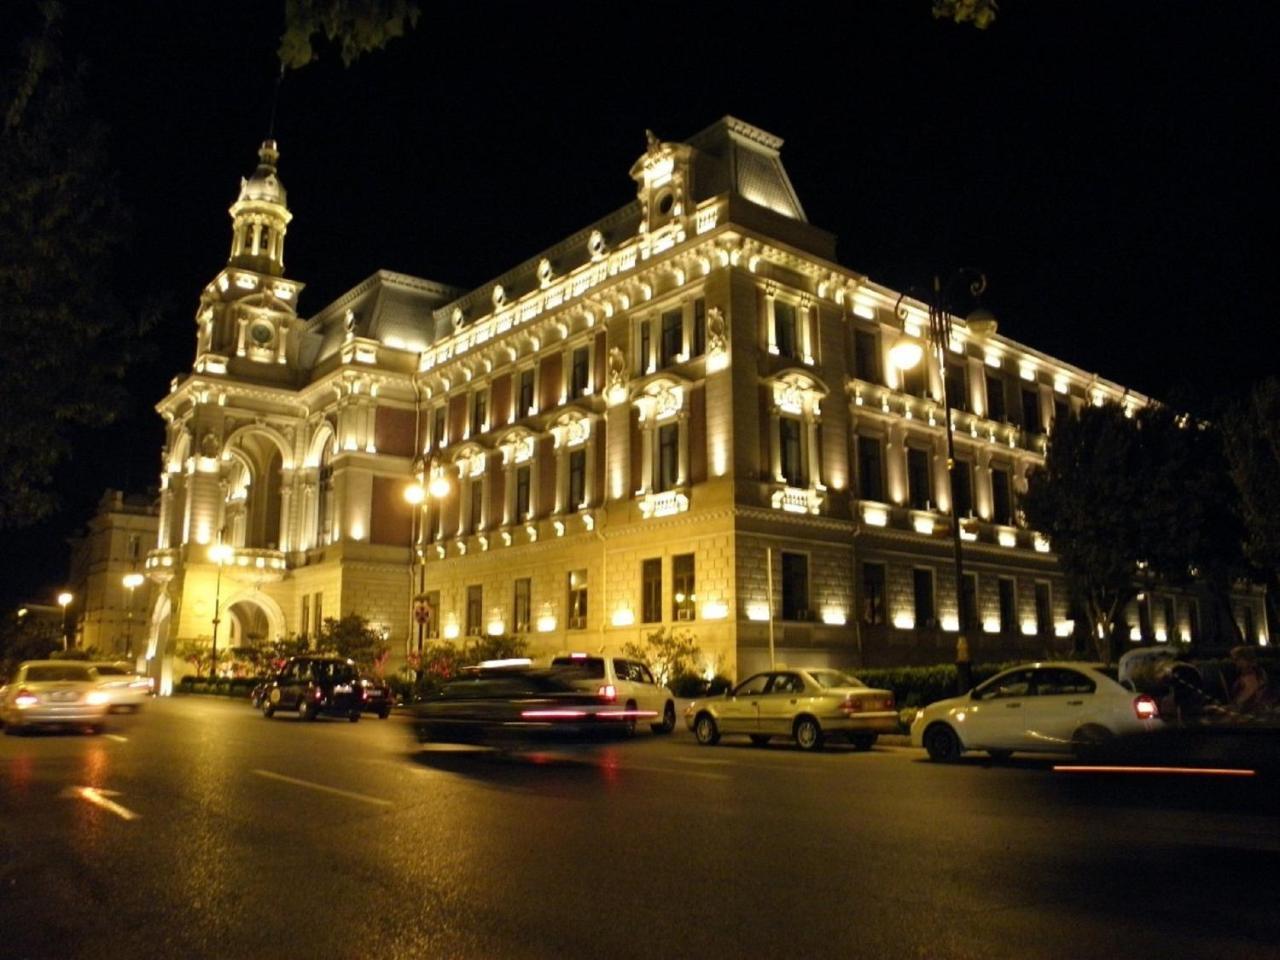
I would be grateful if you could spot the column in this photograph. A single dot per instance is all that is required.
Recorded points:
(682, 446)
(775, 438)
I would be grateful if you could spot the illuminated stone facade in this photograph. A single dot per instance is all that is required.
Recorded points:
(630, 423)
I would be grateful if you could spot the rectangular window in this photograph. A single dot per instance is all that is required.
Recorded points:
(577, 605)
(522, 606)
(873, 599)
(651, 590)
(1061, 409)
(668, 462)
(915, 380)
(1008, 605)
(135, 546)
(1044, 610)
(579, 377)
(995, 397)
(577, 479)
(795, 586)
(922, 585)
(1144, 617)
(962, 488)
(958, 386)
(784, 328)
(1170, 620)
(1247, 625)
(699, 327)
(522, 492)
(1031, 410)
(969, 602)
(683, 595)
(437, 428)
(475, 610)
(479, 412)
(646, 347)
(304, 625)
(433, 615)
(866, 356)
(525, 406)
(672, 343)
(790, 452)
(919, 488)
(1193, 620)
(870, 469)
(318, 619)
(1001, 496)
(477, 504)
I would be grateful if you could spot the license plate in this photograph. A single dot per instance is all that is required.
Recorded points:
(342, 688)
(65, 696)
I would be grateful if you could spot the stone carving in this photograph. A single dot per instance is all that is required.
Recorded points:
(717, 331)
(209, 444)
(596, 245)
(499, 296)
(456, 318)
(545, 273)
(349, 321)
(617, 373)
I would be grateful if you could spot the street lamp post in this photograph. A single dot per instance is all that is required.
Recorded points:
(906, 353)
(131, 582)
(219, 553)
(64, 601)
(416, 494)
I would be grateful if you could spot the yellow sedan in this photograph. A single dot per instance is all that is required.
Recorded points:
(805, 705)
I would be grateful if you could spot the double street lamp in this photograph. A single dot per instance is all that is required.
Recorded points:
(416, 494)
(905, 355)
(219, 553)
(131, 582)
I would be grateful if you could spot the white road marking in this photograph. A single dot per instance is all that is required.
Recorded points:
(116, 737)
(99, 799)
(674, 770)
(707, 762)
(322, 788)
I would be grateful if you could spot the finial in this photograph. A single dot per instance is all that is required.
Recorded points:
(652, 143)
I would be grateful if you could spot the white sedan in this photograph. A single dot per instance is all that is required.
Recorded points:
(53, 693)
(1041, 707)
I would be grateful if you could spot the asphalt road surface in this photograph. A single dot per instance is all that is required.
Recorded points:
(200, 829)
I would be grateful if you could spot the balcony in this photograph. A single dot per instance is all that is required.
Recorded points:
(797, 500)
(664, 504)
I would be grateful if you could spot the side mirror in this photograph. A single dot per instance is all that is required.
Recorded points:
(973, 694)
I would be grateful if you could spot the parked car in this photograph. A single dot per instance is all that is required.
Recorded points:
(519, 704)
(126, 689)
(54, 693)
(378, 697)
(806, 705)
(315, 685)
(618, 680)
(1042, 707)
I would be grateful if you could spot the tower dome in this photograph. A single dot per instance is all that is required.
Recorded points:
(260, 216)
(263, 184)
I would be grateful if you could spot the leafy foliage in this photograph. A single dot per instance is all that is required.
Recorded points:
(1252, 445)
(200, 655)
(352, 637)
(26, 638)
(441, 661)
(981, 13)
(357, 27)
(669, 654)
(68, 341)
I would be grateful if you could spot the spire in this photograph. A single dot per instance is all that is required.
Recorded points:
(260, 217)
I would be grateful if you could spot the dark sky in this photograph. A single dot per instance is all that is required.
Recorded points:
(1104, 163)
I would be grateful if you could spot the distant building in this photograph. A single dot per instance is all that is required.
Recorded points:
(106, 614)
(629, 424)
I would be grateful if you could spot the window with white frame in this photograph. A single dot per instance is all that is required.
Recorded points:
(577, 600)
(794, 418)
(664, 444)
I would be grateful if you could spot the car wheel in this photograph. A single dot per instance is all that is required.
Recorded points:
(863, 741)
(808, 734)
(384, 712)
(760, 739)
(1089, 741)
(12, 729)
(706, 731)
(942, 743)
(354, 716)
(1000, 756)
(97, 728)
(629, 724)
(306, 710)
(668, 719)
(268, 710)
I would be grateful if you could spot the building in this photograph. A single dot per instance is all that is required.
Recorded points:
(106, 612)
(682, 415)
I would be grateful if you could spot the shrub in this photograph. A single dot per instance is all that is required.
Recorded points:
(921, 686)
(668, 655)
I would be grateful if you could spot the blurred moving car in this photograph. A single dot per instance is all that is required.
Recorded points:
(622, 681)
(519, 703)
(54, 693)
(315, 685)
(126, 689)
(806, 705)
(1044, 707)
(378, 697)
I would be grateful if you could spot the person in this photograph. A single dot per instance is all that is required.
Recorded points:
(1250, 691)
(964, 668)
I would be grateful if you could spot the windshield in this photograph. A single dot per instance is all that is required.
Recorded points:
(59, 673)
(592, 667)
(106, 670)
(334, 670)
(834, 678)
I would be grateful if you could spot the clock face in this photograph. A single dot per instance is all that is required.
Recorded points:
(262, 333)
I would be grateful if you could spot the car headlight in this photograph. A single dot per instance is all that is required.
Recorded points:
(97, 698)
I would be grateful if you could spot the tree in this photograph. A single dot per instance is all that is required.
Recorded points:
(1088, 499)
(26, 637)
(356, 26)
(354, 638)
(68, 342)
(1251, 440)
(981, 13)
(200, 655)
(668, 654)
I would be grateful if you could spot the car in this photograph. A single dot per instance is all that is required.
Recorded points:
(519, 703)
(126, 689)
(620, 680)
(47, 693)
(807, 705)
(1046, 707)
(378, 697)
(315, 685)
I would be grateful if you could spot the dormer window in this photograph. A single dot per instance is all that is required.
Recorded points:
(672, 336)
(784, 328)
(580, 373)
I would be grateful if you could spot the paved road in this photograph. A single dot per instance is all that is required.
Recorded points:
(199, 829)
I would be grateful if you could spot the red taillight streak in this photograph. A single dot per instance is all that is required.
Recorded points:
(1145, 708)
(552, 714)
(612, 714)
(1201, 771)
(25, 698)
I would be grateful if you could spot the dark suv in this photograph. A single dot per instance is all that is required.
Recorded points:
(315, 685)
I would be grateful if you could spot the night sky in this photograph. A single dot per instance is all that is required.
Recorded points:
(1104, 164)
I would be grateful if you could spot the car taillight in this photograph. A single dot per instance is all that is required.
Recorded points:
(1146, 708)
(851, 705)
(608, 693)
(25, 698)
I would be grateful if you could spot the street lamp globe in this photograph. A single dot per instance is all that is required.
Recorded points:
(439, 487)
(414, 493)
(132, 580)
(220, 553)
(906, 353)
(64, 598)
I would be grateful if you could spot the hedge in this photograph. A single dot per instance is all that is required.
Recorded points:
(221, 687)
(921, 686)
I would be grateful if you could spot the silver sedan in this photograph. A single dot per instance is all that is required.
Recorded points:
(54, 693)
